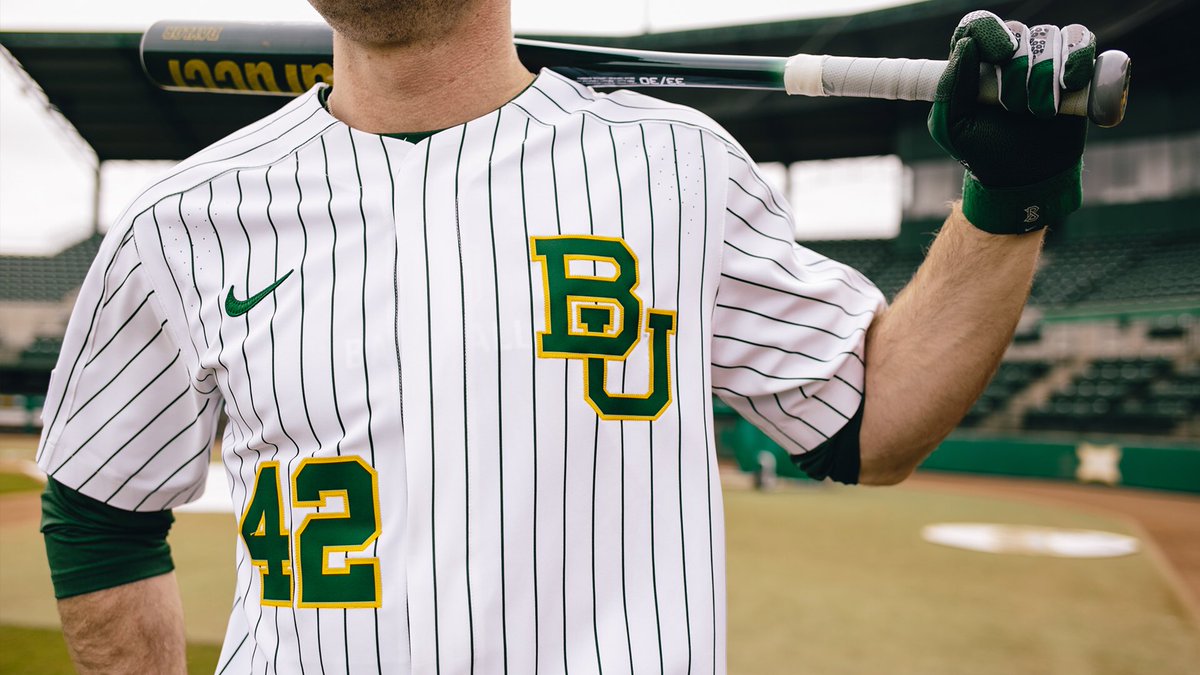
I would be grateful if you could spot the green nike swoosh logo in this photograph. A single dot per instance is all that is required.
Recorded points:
(235, 307)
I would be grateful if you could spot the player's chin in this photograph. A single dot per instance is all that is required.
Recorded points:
(391, 22)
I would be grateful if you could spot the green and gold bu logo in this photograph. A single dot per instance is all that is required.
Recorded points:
(597, 318)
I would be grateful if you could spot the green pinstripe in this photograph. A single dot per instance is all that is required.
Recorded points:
(650, 427)
(462, 289)
(624, 590)
(679, 397)
(432, 430)
(366, 371)
(533, 393)
(499, 393)
(587, 187)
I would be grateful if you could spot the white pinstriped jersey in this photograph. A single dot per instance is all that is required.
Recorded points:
(468, 379)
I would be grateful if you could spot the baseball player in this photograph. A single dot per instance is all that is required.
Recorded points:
(467, 369)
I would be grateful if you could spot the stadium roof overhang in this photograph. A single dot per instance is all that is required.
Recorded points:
(96, 81)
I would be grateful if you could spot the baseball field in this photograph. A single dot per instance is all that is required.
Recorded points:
(822, 580)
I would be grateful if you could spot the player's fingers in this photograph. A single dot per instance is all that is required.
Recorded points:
(1045, 46)
(1078, 56)
(959, 83)
(956, 93)
(996, 42)
(1014, 75)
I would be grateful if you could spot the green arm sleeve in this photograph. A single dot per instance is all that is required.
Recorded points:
(92, 546)
(839, 458)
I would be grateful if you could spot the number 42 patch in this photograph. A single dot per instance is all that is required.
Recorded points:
(355, 584)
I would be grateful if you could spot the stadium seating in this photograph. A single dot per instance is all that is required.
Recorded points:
(41, 353)
(875, 258)
(1137, 395)
(1110, 270)
(1169, 326)
(1142, 396)
(1073, 272)
(1010, 379)
(47, 278)
(1164, 269)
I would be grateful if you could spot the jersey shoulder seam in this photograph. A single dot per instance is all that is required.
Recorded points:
(147, 199)
(704, 124)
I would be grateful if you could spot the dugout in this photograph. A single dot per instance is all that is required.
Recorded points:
(96, 82)
(1126, 261)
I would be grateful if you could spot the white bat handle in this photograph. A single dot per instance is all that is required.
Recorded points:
(892, 79)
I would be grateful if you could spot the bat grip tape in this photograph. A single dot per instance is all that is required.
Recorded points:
(893, 79)
(880, 78)
(802, 75)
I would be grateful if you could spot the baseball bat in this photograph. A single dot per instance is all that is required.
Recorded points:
(286, 59)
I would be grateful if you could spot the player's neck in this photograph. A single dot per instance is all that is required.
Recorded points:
(431, 85)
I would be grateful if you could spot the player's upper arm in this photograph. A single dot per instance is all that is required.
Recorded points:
(789, 329)
(125, 421)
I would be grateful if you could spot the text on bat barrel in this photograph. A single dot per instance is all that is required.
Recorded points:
(249, 76)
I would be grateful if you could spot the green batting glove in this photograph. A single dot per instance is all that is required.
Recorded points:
(1023, 161)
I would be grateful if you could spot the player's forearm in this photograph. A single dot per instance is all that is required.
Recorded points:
(133, 628)
(931, 354)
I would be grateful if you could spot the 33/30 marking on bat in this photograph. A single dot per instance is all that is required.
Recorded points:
(661, 81)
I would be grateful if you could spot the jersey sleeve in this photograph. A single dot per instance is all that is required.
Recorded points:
(125, 422)
(790, 325)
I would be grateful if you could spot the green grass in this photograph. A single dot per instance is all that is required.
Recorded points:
(17, 449)
(18, 482)
(825, 581)
(41, 651)
(840, 581)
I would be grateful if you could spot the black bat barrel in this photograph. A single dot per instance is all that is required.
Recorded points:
(628, 68)
(230, 57)
(287, 59)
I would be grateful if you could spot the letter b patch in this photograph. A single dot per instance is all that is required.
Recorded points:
(596, 317)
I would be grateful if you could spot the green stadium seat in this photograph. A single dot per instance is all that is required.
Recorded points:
(1132, 395)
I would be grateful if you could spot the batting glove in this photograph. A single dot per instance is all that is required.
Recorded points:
(1023, 160)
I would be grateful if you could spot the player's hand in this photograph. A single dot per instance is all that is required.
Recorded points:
(1023, 161)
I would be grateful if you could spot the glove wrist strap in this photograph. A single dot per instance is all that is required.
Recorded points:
(1022, 209)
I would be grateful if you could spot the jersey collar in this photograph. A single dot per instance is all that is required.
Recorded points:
(548, 98)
